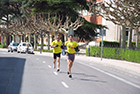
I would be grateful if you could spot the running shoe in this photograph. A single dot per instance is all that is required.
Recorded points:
(70, 76)
(67, 72)
(58, 70)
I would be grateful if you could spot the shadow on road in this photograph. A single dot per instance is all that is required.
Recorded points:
(11, 72)
(85, 77)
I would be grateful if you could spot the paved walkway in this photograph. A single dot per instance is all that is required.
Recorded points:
(119, 64)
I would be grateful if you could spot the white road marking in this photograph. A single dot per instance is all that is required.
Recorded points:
(37, 58)
(55, 73)
(49, 66)
(114, 76)
(65, 85)
(44, 62)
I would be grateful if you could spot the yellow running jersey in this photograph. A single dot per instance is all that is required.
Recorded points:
(71, 44)
(57, 49)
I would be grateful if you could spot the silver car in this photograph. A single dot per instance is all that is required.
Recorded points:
(22, 47)
(12, 47)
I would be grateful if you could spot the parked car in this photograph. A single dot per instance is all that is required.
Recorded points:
(22, 47)
(12, 46)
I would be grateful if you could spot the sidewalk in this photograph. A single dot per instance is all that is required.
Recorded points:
(119, 64)
(131, 67)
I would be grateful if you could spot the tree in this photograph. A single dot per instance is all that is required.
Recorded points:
(120, 12)
(87, 31)
(52, 15)
(7, 9)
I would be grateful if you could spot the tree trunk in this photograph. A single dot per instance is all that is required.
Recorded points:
(48, 41)
(23, 38)
(29, 38)
(35, 44)
(42, 43)
(7, 40)
(137, 38)
(7, 35)
(19, 39)
(123, 37)
(129, 44)
(2, 40)
(13, 38)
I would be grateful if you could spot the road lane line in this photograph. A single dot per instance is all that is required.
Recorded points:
(65, 85)
(114, 76)
(37, 58)
(55, 73)
(44, 62)
(49, 66)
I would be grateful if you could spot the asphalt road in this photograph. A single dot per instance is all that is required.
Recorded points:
(33, 74)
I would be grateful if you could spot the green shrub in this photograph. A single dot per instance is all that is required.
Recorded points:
(115, 53)
(116, 44)
(2, 46)
(43, 44)
(44, 50)
(110, 44)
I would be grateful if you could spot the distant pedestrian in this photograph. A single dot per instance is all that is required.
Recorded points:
(56, 45)
(71, 46)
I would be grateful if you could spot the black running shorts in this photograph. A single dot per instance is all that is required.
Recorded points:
(56, 55)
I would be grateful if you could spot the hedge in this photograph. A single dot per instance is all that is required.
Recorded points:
(115, 53)
(116, 44)
(43, 44)
(43, 50)
(2, 46)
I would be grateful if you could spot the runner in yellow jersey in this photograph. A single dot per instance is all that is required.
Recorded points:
(56, 45)
(71, 45)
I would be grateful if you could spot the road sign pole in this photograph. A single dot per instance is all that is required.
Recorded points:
(102, 45)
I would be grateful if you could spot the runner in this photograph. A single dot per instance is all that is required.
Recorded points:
(71, 46)
(56, 45)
